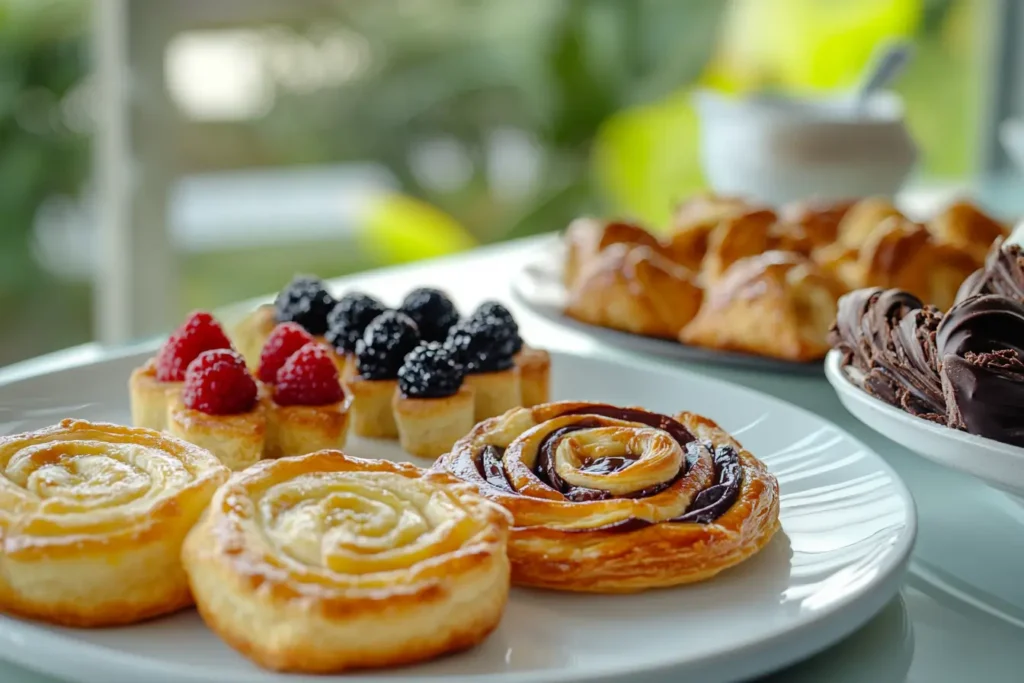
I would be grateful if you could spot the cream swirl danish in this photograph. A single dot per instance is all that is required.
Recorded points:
(323, 563)
(93, 517)
(591, 486)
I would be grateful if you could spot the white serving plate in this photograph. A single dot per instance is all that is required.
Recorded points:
(538, 286)
(848, 527)
(998, 464)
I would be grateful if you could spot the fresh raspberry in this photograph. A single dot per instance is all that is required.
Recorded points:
(286, 339)
(200, 332)
(217, 382)
(308, 378)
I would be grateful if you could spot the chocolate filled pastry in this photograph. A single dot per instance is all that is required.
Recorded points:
(615, 500)
(93, 517)
(324, 563)
(981, 346)
(1002, 274)
(633, 289)
(888, 342)
(777, 304)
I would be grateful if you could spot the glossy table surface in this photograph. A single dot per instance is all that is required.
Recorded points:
(960, 614)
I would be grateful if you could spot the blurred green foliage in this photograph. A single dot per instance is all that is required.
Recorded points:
(590, 97)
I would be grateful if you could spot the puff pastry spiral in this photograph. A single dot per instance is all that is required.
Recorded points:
(92, 518)
(322, 562)
(610, 499)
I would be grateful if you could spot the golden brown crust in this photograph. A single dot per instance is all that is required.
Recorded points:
(737, 236)
(372, 415)
(237, 440)
(635, 290)
(427, 427)
(494, 392)
(862, 218)
(251, 332)
(693, 223)
(778, 305)
(297, 430)
(585, 238)
(534, 375)
(93, 516)
(325, 563)
(150, 397)
(625, 542)
(965, 227)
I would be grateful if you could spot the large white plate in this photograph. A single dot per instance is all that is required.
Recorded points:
(538, 286)
(848, 526)
(998, 464)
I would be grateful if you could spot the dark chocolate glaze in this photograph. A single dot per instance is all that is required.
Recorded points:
(981, 344)
(706, 507)
(1002, 274)
(888, 336)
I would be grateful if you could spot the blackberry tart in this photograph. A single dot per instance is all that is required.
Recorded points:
(433, 407)
(432, 311)
(485, 346)
(346, 324)
(304, 301)
(534, 364)
(373, 381)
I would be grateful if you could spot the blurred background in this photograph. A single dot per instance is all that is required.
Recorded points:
(160, 156)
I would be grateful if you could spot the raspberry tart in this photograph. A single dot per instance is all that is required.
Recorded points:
(308, 408)
(220, 409)
(378, 358)
(152, 386)
(432, 406)
(305, 302)
(485, 347)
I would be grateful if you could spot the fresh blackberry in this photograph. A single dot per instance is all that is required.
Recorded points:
(304, 301)
(492, 312)
(432, 311)
(379, 354)
(481, 345)
(430, 371)
(349, 318)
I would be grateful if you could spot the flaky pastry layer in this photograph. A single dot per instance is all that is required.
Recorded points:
(618, 500)
(324, 563)
(93, 517)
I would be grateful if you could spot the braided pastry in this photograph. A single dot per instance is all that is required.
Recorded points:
(92, 518)
(322, 563)
(614, 500)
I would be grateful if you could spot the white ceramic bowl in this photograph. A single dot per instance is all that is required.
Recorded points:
(997, 464)
(778, 150)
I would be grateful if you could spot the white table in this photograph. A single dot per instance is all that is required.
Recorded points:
(960, 615)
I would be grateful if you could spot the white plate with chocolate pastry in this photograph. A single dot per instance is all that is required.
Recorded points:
(713, 534)
(948, 386)
(740, 283)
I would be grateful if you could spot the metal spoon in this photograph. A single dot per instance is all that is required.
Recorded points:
(889, 63)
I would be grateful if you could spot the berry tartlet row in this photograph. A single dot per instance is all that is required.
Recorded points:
(199, 388)
(420, 373)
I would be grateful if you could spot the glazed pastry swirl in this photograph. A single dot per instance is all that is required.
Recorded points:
(88, 506)
(324, 562)
(589, 484)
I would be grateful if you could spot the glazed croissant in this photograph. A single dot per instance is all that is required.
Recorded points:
(634, 289)
(777, 304)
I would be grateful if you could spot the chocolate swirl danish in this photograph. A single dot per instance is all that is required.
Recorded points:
(609, 499)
